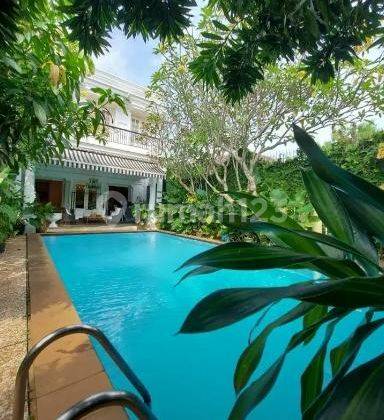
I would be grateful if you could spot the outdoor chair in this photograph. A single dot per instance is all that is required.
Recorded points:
(115, 216)
(67, 216)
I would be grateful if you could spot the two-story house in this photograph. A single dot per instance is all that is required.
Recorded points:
(92, 177)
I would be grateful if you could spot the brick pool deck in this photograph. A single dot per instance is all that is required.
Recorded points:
(13, 319)
(65, 372)
(68, 370)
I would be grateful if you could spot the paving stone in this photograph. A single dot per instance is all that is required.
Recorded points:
(13, 322)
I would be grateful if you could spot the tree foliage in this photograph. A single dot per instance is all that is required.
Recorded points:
(243, 38)
(91, 21)
(40, 75)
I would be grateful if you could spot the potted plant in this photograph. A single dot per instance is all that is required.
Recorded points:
(39, 216)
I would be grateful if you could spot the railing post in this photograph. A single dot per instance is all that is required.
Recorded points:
(22, 373)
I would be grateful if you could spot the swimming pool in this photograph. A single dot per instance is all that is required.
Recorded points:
(124, 284)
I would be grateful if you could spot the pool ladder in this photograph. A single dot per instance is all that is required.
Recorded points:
(140, 407)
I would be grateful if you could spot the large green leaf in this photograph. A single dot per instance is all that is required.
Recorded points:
(313, 376)
(348, 356)
(308, 241)
(263, 209)
(280, 235)
(224, 307)
(257, 391)
(260, 388)
(198, 271)
(40, 112)
(359, 395)
(366, 216)
(312, 317)
(251, 356)
(250, 256)
(328, 207)
(350, 184)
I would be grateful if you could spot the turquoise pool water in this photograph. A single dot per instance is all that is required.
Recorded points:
(124, 284)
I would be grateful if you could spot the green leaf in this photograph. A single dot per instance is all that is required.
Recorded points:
(310, 244)
(359, 395)
(251, 356)
(256, 392)
(337, 355)
(12, 63)
(210, 35)
(198, 271)
(313, 376)
(354, 344)
(40, 113)
(220, 25)
(352, 185)
(328, 207)
(98, 90)
(260, 388)
(312, 317)
(227, 306)
(250, 256)
(367, 217)
(281, 236)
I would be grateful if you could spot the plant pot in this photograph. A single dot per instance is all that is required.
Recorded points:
(43, 227)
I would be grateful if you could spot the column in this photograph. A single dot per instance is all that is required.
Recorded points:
(151, 223)
(152, 193)
(29, 186)
(159, 190)
(29, 195)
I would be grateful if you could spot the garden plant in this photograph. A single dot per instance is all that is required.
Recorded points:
(347, 257)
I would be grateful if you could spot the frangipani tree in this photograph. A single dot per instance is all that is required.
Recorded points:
(197, 134)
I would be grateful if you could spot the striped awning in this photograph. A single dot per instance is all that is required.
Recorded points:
(108, 162)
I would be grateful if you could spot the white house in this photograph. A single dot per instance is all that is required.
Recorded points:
(91, 177)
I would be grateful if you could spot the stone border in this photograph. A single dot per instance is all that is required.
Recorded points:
(184, 235)
(167, 232)
(69, 370)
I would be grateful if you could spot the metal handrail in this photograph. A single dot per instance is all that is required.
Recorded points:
(107, 399)
(22, 373)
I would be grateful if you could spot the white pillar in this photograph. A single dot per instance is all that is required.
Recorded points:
(159, 197)
(152, 193)
(29, 194)
(29, 186)
(151, 224)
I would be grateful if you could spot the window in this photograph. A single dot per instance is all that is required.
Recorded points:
(92, 196)
(136, 125)
(80, 195)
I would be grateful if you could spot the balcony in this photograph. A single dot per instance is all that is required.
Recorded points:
(128, 137)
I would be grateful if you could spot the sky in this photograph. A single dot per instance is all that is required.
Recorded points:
(133, 59)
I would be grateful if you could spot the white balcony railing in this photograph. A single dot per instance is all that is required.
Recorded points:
(128, 137)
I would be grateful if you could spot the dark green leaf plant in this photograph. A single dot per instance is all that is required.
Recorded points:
(347, 256)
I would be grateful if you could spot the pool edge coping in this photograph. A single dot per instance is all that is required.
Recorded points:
(168, 232)
(45, 403)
